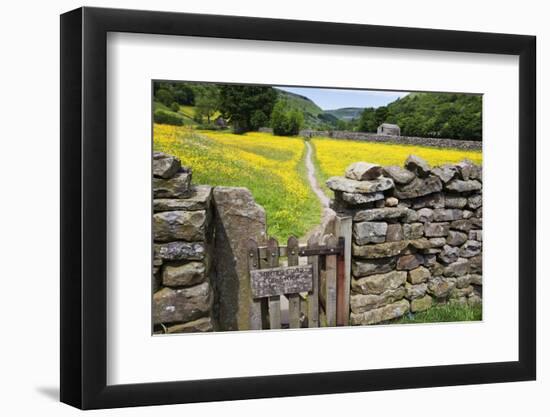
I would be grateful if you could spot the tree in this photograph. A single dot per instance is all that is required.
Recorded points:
(295, 122)
(258, 119)
(175, 107)
(207, 100)
(184, 94)
(239, 103)
(164, 96)
(455, 116)
(279, 121)
(367, 121)
(286, 123)
(380, 115)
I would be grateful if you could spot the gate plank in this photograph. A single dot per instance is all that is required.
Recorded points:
(313, 296)
(293, 299)
(272, 257)
(255, 315)
(330, 268)
(343, 230)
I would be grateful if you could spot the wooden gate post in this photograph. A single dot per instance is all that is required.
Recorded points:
(274, 301)
(330, 270)
(255, 314)
(313, 296)
(343, 231)
(293, 299)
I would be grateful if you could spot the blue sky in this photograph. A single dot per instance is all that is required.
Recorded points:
(332, 98)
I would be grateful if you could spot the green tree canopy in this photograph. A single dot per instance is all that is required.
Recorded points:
(207, 101)
(243, 105)
(286, 122)
(167, 93)
(455, 116)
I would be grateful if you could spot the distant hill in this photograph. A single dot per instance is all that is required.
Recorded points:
(444, 115)
(314, 116)
(310, 110)
(346, 113)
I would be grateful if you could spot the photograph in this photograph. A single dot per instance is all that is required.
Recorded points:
(287, 205)
(294, 207)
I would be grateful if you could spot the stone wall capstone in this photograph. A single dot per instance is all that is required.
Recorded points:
(417, 236)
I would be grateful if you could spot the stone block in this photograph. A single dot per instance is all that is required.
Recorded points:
(179, 225)
(419, 275)
(362, 268)
(408, 262)
(415, 291)
(360, 303)
(421, 304)
(164, 165)
(436, 229)
(379, 250)
(440, 287)
(377, 284)
(378, 315)
(379, 214)
(183, 274)
(470, 248)
(398, 174)
(182, 304)
(179, 186)
(180, 251)
(394, 232)
(456, 238)
(362, 171)
(418, 187)
(413, 230)
(449, 254)
(418, 166)
(369, 232)
(457, 269)
(198, 199)
(353, 186)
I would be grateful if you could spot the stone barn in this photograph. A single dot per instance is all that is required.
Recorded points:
(389, 129)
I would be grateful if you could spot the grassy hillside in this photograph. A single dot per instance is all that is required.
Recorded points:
(314, 116)
(346, 113)
(303, 104)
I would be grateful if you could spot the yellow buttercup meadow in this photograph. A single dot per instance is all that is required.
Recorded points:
(273, 169)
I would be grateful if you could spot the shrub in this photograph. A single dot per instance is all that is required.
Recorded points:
(295, 122)
(258, 119)
(167, 118)
(175, 107)
(286, 123)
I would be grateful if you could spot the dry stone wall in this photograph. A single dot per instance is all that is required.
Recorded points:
(375, 137)
(200, 264)
(182, 262)
(417, 236)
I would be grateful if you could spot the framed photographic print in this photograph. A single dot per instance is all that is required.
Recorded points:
(256, 208)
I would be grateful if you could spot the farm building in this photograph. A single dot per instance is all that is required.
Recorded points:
(389, 129)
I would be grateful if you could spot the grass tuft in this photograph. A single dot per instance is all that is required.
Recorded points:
(443, 313)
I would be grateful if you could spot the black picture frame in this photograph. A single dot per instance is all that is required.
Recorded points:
(84, 207)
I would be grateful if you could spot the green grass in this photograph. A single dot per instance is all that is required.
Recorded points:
(443, 313)
(186, 113)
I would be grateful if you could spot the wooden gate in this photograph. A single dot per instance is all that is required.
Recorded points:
(313, 277)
